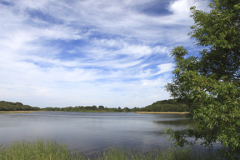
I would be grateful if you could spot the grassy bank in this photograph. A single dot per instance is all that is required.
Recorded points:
(164, 112)
(19, 111)
(50, 150)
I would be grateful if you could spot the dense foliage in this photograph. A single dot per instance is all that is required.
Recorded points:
(18, 106)
(166, 106)
(210, 84)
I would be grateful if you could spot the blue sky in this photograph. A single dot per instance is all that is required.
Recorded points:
(59, 53)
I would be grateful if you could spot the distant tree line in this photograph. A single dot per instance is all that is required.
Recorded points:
(169, 105)
(18, 106)
(160, 106)
(88, 109)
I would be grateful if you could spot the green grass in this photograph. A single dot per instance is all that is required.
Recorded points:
(50, 150)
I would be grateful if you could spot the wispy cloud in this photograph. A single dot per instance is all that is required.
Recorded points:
(111, 53)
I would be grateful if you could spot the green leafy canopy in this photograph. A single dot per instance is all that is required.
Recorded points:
(210, 84)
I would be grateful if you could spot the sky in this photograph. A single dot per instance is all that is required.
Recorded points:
(60, 53)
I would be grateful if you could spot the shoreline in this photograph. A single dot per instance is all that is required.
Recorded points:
(19, 111)
(140, 112)
(162, 112)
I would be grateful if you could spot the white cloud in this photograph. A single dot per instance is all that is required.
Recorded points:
(182, 7)
(167, 67)
(160, 49)
(63, 33)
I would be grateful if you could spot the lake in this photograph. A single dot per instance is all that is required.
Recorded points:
(92, 132)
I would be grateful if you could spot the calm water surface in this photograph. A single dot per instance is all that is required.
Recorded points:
(91, 132)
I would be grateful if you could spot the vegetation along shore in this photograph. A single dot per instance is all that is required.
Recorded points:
(50, 150)
(16, 106)
(164, 112)
(18, 111)
(169, 105)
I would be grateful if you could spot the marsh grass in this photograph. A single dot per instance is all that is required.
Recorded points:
(185, 153)
(50, 150)
(35, 150)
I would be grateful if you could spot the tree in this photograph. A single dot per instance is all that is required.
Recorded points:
(119, 109)
(126, 109)
(94, 107)
(101, 107)
(210, 84)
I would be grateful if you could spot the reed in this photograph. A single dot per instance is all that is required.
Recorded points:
(50, 150)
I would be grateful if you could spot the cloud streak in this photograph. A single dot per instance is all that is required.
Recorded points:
(111, 53)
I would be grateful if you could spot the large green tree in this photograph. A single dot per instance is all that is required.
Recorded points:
(210, 84)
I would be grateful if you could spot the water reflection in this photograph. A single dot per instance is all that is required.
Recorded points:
(180, 122)
(91, 132)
